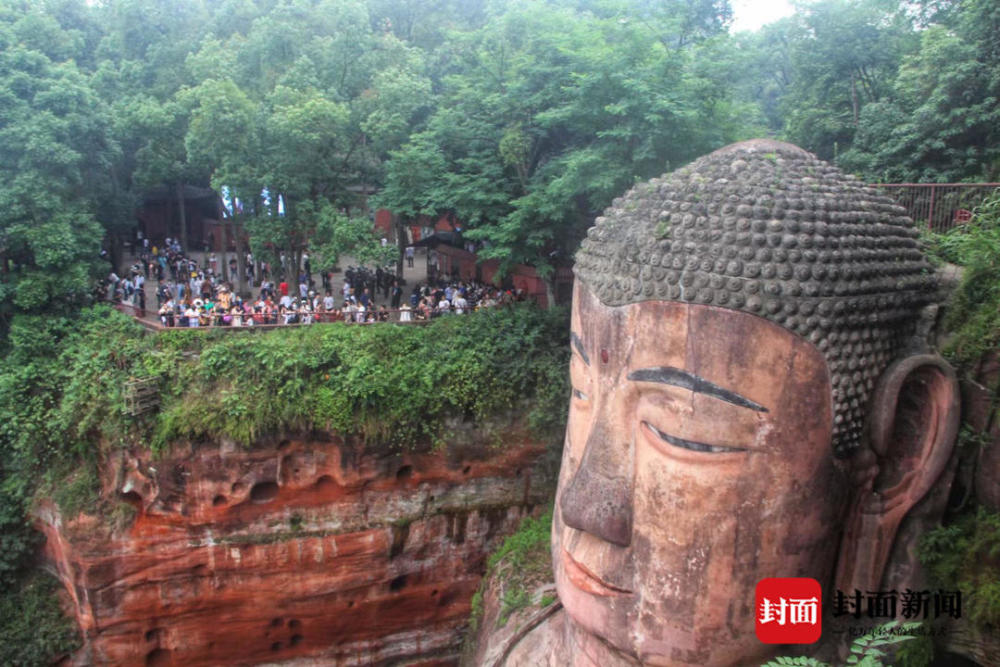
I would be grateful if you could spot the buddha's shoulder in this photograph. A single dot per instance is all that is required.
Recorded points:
(536, 643)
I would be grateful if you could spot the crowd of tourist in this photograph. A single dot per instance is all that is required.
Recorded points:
(193, 295)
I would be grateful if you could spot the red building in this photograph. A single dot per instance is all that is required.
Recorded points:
(159, 216)
(461, 262)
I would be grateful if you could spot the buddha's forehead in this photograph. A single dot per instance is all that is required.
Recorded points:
(754, 357)
(767, 229)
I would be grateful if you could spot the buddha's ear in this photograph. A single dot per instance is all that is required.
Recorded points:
(913, 423)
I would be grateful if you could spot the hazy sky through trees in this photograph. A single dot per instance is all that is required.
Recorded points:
(752, 14)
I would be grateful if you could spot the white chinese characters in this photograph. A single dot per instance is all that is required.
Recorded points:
(792, 611)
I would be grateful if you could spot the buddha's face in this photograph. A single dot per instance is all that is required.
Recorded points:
(697, 461)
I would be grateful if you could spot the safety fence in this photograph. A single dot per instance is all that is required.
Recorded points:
(150, 319)
(939, 206)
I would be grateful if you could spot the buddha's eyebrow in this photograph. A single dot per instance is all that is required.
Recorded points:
(578, 344)
(678, 378)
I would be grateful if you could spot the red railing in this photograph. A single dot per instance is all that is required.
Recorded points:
(150, 319)
(939, 206)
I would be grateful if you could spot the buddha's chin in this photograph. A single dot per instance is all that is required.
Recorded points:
(604, 619)
(607, 623)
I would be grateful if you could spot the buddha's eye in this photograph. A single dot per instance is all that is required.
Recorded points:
(691, 444)
(579, 395)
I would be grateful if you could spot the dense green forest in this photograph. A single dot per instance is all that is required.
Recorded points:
(523, 119)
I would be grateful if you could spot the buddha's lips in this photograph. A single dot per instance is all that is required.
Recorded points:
(587, 581)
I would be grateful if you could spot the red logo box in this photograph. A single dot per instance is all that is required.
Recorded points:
(789, 610)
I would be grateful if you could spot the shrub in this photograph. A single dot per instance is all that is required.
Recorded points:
(974, 316)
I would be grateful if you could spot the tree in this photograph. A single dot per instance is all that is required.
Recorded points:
(844, 54)
(224, 137)
(548, 114)
(56, 149)
(942, 122)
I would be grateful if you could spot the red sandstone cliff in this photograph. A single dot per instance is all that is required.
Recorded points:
(310, 551)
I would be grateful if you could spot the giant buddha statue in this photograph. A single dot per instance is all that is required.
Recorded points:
(751, 398)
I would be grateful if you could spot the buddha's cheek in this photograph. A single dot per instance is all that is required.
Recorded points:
(697, 529)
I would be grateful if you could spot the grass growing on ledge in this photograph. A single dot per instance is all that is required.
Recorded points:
(521, 561)
(973, 317)
(63, 384)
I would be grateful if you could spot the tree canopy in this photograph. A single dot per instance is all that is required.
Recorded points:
(521, 120)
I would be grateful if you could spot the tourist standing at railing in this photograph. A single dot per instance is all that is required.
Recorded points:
(397, 294)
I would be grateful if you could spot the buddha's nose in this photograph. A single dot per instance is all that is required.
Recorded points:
(598, 499)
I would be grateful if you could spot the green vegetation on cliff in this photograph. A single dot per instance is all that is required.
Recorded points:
(964, 556)
(63, 389)
(33, 628)
(974, 314)
(63, 408)
(522, 562)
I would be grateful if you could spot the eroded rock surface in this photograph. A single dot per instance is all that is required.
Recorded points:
(309, 551)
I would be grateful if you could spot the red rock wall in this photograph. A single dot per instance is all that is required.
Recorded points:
(309, 550)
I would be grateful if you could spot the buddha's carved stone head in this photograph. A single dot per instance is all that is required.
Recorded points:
(746, 396)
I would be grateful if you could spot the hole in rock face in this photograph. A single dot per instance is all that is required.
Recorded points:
(434, 592)
(518, 473)
(325, 482)
(276, 646)
(404, 473)
(466, 470)
(275, 622)
(296, 640)
(199, 569)
(219, 500)
(153, 634)
(264, 492)
(132, 498)
(397, 583)
(350, 603)
(158, 657)
(289, 471)
(238, 487)
(295, 624)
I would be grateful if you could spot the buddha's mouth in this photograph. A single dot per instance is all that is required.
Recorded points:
(581, 577)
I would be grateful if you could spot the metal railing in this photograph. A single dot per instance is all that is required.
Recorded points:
(939, 206)
(150, 319)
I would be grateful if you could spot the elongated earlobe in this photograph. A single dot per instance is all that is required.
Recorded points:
(913, 425)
